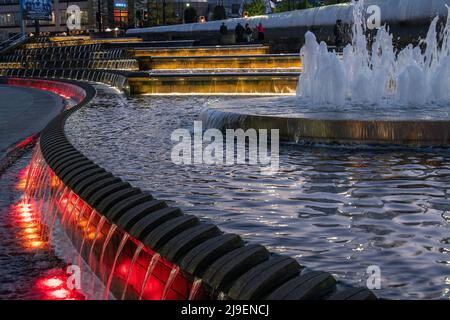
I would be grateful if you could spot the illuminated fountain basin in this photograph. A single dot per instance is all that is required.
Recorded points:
(126, 267)
(369, 95)
(123, 265)
(338, 209)
(302, 121)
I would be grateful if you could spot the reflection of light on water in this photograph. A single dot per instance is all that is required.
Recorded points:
(447, 280)
(52, 282)
(54, 286)
(27, 219)
(21, 185)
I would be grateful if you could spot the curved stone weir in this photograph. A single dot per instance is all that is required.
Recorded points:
(110, 64)
(140, 247)
(116, 79)
(263, 61)
(214, 84)
(295, 128)
(200, 51)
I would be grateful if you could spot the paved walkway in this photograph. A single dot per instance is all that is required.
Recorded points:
(24, 112)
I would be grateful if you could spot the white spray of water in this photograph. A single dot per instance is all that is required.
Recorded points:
(411, 77)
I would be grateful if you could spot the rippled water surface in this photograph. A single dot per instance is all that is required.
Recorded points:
(339, 209)
(24, 270)
(293, 106)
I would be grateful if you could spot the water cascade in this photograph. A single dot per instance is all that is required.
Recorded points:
(378, 75)
(126, 267)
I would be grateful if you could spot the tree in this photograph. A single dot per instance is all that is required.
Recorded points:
(190, 15)
(289, 5)
(330, 2)
(219, 13)
(255, 7)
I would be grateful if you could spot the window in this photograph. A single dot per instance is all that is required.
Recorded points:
(9, 2)
(9, 19)
(121, 18)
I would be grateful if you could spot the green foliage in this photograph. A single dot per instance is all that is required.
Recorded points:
(330, 2)
(219, 13)
(255, 7)
(289, 5)
(190, 15)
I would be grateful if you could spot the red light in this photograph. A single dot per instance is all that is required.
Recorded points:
(53, 282)
(60, 294)
(53, 286)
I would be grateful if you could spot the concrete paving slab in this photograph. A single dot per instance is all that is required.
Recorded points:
(24, 112)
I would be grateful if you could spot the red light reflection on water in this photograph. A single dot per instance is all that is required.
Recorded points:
(54, 286)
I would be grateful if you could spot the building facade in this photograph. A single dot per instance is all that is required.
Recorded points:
(10, 20)
(121, 14)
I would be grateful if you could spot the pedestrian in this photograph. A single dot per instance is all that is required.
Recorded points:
(239, 33)
(338, 34)
(260, 29)
(223, 29)
(248, 33)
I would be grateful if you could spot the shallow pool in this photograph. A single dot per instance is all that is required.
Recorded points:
(338, 209)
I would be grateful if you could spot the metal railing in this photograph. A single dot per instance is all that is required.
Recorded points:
(12, 42)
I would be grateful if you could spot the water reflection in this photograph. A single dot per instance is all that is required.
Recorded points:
(332, 208)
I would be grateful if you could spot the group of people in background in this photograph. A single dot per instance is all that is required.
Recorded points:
(245, 34)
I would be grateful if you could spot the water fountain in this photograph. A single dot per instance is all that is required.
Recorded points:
(369, 95)
(137, 246)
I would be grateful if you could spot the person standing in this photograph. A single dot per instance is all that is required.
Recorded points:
(338, 34)
(239, 33)
(248, 33)
(223, 29)
(260, 29)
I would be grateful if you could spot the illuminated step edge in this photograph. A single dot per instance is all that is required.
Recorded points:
(137, 83)
(114, 78)
(282, 83)
(110, 64)
(77, 41)
(266, 61)
(200, 51)
(182, 256)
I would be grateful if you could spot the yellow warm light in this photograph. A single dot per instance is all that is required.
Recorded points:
(91, 235)
(215, 62)
(25, 215)
(27, 219)
(208, 85)
(32, 236)
(31, 230)
(36, 244)
(54, 183)
(205, 51)
(28, 225)
(82, 223)
(21, 185)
